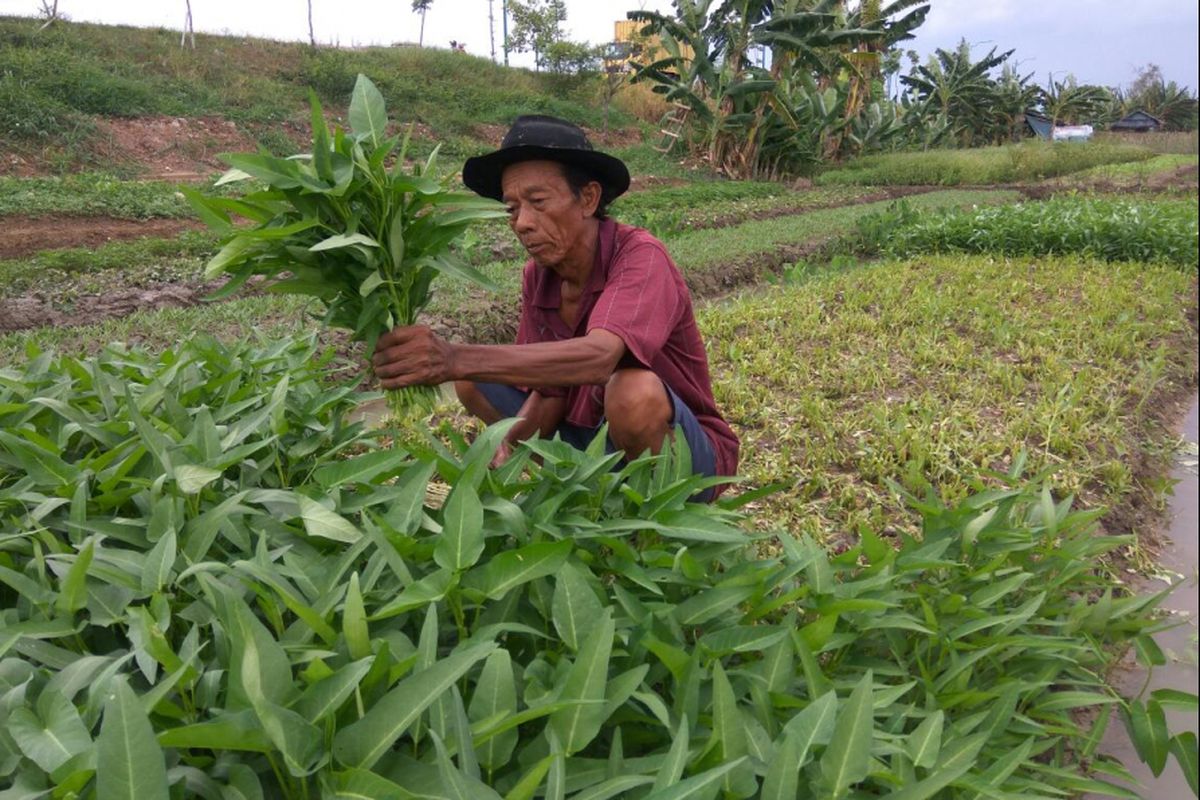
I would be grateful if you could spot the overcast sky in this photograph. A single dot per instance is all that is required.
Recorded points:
(1100, 41)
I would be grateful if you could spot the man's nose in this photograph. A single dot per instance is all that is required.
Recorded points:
(523, 223)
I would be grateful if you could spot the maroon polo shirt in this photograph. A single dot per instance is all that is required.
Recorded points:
(636, 292)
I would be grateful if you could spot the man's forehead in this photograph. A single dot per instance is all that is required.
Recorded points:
(532, 174)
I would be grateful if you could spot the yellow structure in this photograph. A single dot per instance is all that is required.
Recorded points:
(628, 31)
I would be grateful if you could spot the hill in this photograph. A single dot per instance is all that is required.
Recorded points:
(120, 98)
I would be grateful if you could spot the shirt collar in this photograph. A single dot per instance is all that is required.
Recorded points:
(547, 290)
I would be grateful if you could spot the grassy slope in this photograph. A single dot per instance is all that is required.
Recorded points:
(52, 82)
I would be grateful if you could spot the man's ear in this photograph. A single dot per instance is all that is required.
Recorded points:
(589, 197)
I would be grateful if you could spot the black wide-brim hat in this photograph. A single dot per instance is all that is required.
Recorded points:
(534, 137)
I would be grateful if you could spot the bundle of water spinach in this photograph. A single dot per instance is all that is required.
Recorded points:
(349, 224)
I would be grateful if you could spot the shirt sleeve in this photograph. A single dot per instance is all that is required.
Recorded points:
(641, 301)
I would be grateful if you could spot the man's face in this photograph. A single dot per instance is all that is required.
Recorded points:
(545, 214)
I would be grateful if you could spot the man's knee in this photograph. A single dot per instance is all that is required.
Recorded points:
(637, 408)
(475, 401)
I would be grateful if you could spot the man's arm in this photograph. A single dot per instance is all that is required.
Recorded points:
(539, 415)
(416, 355)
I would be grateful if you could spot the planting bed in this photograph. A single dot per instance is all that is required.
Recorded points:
(941, 369)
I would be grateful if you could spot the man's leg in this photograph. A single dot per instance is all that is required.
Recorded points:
(491, 402)
(640, 413)
(638, 410)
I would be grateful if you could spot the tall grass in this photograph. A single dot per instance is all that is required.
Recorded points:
(981, 166)
(1177, 142)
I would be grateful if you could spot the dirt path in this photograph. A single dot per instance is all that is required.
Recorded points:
(21, 235)
(1179, 555)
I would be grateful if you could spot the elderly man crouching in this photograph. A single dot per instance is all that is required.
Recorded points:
(607, 331)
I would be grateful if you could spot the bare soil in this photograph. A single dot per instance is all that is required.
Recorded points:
(37, 311)
(22, 235)
(490, 319)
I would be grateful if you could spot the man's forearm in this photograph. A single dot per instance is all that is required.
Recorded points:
(586, 360)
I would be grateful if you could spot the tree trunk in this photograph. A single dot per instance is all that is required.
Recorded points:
(421, 38)
(188, 29)
(312, 40)
(492, 27)
(50, 9)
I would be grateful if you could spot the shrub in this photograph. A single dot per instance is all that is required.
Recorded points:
(28, 113)
(211, 581)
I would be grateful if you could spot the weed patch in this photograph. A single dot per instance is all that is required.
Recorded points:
(91, 194)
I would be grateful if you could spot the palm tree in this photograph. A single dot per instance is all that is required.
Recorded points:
(421, 6)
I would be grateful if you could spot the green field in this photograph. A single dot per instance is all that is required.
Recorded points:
(956, 401)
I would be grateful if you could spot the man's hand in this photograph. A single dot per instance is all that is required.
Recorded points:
(413, 356)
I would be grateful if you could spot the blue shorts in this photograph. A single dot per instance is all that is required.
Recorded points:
(508, 401)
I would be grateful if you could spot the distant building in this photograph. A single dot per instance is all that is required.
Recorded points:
(631, 46)
(1042, 127)
(1138, 122)
(1039, 124)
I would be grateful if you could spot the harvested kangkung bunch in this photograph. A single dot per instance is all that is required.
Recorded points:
(348, 224)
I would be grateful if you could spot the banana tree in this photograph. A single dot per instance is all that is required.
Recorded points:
(742, 107)
(1072, 103)
(952, 84)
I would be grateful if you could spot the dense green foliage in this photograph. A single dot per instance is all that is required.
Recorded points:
(986, 165)
(212, 582)
(1163, 232)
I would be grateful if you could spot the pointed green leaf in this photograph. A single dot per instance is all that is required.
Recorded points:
(364, 742)
(327, 695)
(515, 567)
(574, 606)
(924, 743)
(848, 758)
(586, 681)
(319, 521)
(129, 760)
(368, 116)
(461, 541)
(697, 786)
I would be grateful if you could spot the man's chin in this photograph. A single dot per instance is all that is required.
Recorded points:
(543, 259)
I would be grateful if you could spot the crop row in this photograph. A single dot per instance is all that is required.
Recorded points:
(1156, 232)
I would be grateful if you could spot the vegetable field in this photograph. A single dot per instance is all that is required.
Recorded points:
(956, 405)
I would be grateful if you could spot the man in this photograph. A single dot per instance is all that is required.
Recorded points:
(606, 331)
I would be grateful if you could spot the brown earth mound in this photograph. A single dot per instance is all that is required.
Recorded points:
(170, 148)
(20, 235)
